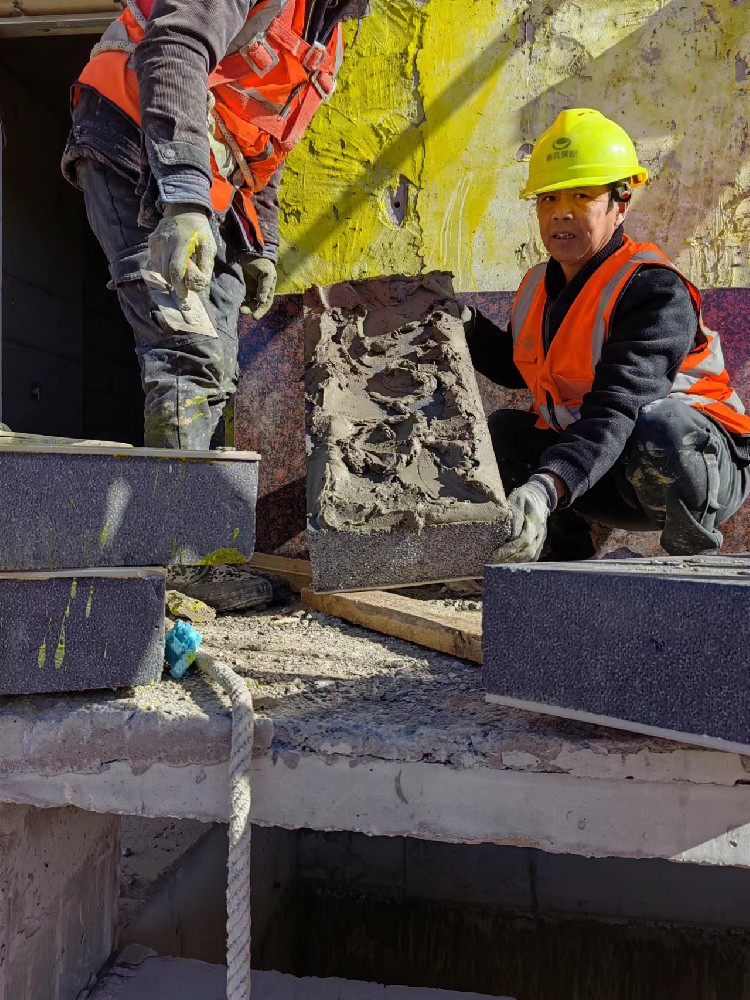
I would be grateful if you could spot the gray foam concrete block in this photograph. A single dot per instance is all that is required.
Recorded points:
(651, 646)
(403, 486)
(77, 631)
(70, 507)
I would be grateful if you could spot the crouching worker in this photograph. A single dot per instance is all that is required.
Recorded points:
(634, 421)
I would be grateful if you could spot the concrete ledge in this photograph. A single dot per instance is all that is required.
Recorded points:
(406, 746)
(64, 508)
(184, 979)
(80, 630)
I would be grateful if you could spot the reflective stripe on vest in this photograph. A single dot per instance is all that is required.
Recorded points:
(559, 383)
(263, 93)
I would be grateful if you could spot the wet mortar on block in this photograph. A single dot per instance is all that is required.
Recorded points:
(403, 486)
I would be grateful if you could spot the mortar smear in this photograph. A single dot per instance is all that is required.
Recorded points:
(397, 434)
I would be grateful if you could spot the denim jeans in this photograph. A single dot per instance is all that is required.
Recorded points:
(677, 474)
(187, 377)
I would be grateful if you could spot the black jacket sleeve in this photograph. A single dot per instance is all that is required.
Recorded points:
(266, 204)
(652, 329)
(184, 41)
(491, 351)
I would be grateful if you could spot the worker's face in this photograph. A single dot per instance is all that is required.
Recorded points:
(576, 223)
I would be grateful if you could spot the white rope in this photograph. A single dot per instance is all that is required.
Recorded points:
(238, 864)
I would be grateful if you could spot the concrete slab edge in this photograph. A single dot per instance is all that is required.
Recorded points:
(558, 813)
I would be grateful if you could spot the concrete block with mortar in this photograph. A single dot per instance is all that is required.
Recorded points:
(80, 630)
(59, 881)
(652, 646)
(72, 506)
(155, 978)
(403, 486)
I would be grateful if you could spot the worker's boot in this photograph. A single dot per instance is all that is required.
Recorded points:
(177, 417)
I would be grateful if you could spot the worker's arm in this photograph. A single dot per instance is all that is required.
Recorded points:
(184, 41)
(491, 350)
(266, 204)
(652, 329)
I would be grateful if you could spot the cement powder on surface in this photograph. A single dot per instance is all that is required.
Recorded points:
(396, 431)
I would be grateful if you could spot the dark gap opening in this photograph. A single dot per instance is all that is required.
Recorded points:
(68, 363)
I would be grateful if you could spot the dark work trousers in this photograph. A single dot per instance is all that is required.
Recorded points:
(187, 377)
(677, 474)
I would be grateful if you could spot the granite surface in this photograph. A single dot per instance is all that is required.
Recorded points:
(65, 508)
(66, 632)
(604, 639)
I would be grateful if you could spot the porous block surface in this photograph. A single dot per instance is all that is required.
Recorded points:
(75, 631)
(69, 507)
(655, 646)
(402, 481)
(59, 880)
(185, 979)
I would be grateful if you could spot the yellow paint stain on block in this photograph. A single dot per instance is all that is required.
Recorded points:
(90, 600)
(60, 648)
(41, 659)
(222, 557)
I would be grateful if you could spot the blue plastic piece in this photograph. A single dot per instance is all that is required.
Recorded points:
(183, 642)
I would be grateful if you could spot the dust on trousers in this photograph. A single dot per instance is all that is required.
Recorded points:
(677, 474)
(187, 377)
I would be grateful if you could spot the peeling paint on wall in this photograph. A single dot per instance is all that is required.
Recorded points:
(417, 161)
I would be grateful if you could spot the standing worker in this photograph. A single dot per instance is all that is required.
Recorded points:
(633, 421)
(181, 122)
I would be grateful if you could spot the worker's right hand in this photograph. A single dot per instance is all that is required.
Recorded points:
(184, 233)
(530, 507)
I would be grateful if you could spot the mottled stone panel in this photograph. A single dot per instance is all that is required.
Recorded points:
(648, 669)
(80, 631)
(73, 507)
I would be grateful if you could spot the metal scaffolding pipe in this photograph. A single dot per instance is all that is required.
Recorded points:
(27, 18)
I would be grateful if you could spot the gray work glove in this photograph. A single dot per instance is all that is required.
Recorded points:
(260, 285)
(184, 233)
(530, 507)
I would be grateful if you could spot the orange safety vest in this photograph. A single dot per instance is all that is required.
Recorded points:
(559, 380)
(262, 95)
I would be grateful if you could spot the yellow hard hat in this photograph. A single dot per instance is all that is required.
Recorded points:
(582, 149)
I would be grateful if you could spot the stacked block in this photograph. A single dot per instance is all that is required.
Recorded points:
(403, 486)
(86, 535)
(651, 646)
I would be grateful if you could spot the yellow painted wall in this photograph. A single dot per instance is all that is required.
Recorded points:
(437, 98)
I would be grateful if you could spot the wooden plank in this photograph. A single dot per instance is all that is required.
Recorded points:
(296, 571)
(455, 632)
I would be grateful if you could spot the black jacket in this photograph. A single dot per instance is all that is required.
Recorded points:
(653, 326)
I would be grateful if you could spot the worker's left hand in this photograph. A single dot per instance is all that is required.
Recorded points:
(260, 285)
(530, 507)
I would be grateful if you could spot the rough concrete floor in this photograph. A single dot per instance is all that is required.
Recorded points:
(331, 687)
(323, 686)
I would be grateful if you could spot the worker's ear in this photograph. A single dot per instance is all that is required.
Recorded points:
(621, 193)
(621, 207)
